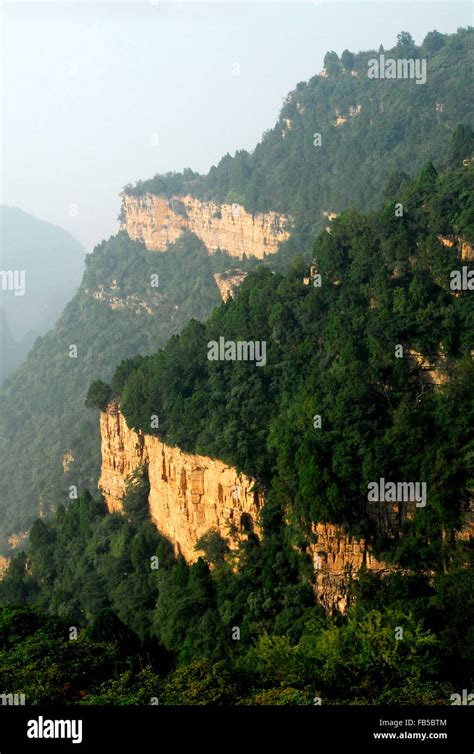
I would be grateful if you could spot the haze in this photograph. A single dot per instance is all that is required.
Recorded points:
(99, 95)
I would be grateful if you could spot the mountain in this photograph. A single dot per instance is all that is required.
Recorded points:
(261, 208)
(306, 588)
(52, 262)
(378, 348)
(337, 140)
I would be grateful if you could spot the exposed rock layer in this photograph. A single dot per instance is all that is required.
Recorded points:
(228, 282)
(157, 221)
(466, 249)
(337, 559)
(4, 564)
(189, 494)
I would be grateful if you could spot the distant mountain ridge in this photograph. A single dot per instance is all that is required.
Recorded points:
(52, 262)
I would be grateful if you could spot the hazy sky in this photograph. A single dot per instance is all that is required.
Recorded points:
(97, 95)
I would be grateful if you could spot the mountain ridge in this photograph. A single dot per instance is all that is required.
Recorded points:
(117, 314)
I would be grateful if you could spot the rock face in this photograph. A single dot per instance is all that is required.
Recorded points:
(18, 538)
(68, 460)
(4, 564)
(432, 374)
(157, 221)
(466, 533)
(466, 249)
(189, 494)
(228, 282)
(337, 559)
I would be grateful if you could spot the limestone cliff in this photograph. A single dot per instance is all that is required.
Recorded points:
(337, 560)
(465, 248)
(4, 564)
(157, 221)
(189, 494)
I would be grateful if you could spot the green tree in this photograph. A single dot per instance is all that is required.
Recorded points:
(347, 59)
(98, 395)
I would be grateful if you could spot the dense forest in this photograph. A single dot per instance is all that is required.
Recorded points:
(208, 634)
(100, 610)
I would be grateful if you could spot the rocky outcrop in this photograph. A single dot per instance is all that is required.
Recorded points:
(192, 494)
(337, 560)
(341, 119)
(433, 374)
(466, 249)
(157, 222)
(228, 282)
(114, 298)
(338, 557)
(18, 539)
(466, 533)
(4, 564)
(189, 494)
(68, 460)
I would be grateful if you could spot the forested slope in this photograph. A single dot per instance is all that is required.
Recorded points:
(244, 628)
